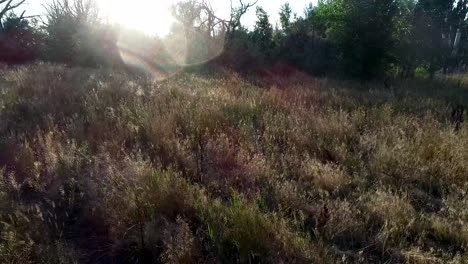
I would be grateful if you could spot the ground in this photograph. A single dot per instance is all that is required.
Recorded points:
(103, 166)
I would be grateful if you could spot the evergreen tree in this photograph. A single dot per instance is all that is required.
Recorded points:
(263, 34)
(285, 16)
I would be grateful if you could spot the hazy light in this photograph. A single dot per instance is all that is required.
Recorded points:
(149, 16)
(164, 56)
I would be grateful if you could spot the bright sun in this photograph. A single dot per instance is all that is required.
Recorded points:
(149, 16)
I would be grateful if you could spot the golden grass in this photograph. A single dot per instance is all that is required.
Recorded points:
(103, 166)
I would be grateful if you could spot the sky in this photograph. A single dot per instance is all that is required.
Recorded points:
(153, 17)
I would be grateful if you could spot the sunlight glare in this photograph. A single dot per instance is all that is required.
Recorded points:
(149, 16)
(153, 17)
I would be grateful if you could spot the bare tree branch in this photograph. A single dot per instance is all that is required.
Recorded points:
(237, 13)
(198, 18)
(6, 8)
(9, 6)
(78, 10)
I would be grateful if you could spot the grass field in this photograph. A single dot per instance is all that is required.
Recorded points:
(107, 167)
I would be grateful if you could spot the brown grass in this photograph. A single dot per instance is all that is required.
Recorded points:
(107, 167)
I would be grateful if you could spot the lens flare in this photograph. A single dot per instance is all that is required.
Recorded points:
(190, 48)
(146, 54)
(182, 44)
(163, 58)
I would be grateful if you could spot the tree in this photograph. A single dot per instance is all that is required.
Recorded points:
(201, 13)
(198, 35)
(404, 53)
(201, 34)
(363, 33)
(315, 21)
(304, 47)
(285, 16)
(238, 46)
(21, 41)
(5, 7)
(76, 35)
(438, 32)
(263, 33)
(237, 12)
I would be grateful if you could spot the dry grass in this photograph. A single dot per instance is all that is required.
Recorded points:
(106, 167)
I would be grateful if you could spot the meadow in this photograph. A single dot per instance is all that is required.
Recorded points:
(102, 166)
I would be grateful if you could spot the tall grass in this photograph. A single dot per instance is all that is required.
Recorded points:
(104, 167)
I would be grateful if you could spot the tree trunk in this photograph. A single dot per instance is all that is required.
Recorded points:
(2, 30)
(432, 68)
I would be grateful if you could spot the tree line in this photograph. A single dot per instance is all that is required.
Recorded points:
(355, 38)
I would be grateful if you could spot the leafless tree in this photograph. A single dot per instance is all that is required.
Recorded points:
(79, 10)
(229, 26)
(7, 6)
(201, 33)
(200, 15)
(237, 12)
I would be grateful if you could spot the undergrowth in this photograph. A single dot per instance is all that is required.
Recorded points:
(108, 167)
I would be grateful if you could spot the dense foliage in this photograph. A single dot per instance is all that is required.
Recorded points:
(363, 39)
